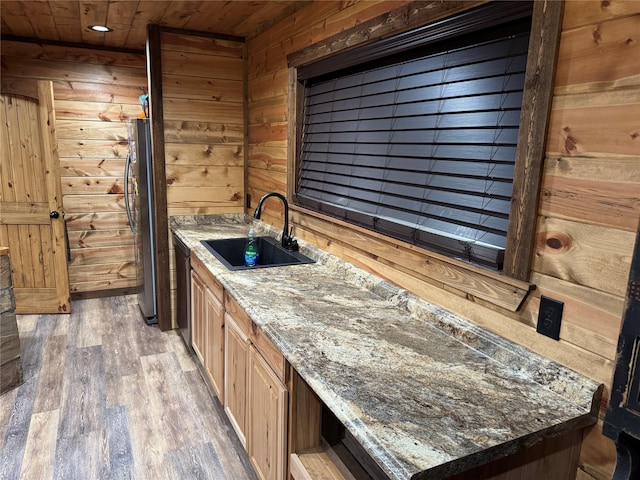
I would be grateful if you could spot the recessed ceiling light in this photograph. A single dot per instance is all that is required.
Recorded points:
(100, 28)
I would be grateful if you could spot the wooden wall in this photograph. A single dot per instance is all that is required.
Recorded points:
(95, 93)
(203, 86)
(590, 194)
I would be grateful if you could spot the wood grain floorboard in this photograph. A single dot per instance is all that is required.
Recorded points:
(83, 409)
(83, 456)
(170, 402)
(187, 463)
(51, 375)
(17, 430)
(106, 396)
(7, 400)
(40, 450)
(218, 428)
(120, 452)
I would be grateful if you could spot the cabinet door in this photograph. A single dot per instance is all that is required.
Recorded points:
(267, 419)
(214, 355)
(235, 376)
(198, 315)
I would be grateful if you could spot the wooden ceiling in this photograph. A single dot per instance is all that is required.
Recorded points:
(68, 21)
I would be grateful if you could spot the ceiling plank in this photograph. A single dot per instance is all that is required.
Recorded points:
(92, 13)
(65, 16)
(68, 21)
(120, 15)
(17, 23)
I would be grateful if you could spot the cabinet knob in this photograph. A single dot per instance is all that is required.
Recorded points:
(54, 214)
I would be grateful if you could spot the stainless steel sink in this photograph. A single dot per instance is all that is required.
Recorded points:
(230, 251)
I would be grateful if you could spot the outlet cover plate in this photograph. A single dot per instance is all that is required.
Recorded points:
(550, 317)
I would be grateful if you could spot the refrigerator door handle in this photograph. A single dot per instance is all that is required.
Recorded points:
(127, 172)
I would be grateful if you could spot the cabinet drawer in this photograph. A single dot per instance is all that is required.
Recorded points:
(263, 344)
(212, 282)
(239, 316)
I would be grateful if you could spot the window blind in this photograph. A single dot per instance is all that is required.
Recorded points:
(421, 149)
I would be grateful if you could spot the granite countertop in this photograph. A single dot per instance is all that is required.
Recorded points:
(424, 391)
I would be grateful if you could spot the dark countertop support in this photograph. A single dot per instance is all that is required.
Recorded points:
(422, 389)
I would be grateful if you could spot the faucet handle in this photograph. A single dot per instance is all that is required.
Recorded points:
(289, 242)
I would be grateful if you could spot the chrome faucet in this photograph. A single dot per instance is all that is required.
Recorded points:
(288, 241)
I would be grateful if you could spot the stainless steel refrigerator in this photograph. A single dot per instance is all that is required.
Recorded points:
(138, 180)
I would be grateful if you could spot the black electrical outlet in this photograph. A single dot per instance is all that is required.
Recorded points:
(550, 317)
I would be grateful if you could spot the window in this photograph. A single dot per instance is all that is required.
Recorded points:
(357, 157)
(420, 145)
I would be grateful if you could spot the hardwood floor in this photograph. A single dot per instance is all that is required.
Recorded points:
(107, 397)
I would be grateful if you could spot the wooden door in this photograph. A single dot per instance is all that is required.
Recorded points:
(198, 316)
(31, 211)
(214, 357)
(236, 351)
(267, 419)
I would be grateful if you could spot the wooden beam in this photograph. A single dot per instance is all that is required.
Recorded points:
(534, 119)
(156, 114)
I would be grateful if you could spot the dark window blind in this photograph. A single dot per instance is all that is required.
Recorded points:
(422, 149)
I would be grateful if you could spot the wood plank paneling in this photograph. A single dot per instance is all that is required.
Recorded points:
(202, 110)
(573, 251)
(92, 185)
(93, 238)
(268, 158)
(589, 196)
(186, 132)
(590, 131)
(68, 21)
(203, 84)
(86, 130)
(95, 93)
(587, 12)
(598, 53)
(80, 72)
(96, 221)
(203, 176)
(95, 255)
(211, 155)
(202, 88)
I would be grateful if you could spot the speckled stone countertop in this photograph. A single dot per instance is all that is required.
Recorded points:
(425, 392)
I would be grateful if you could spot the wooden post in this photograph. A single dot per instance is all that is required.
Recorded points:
(156, 115)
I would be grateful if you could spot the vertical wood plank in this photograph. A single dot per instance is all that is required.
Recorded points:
(534, 118)
(54, 193)
(161, 224)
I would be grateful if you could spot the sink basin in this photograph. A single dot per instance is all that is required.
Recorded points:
(230, 251)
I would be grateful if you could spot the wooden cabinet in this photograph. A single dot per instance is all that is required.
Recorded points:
(266, 419)
(235, 380)
(214, 357)
(255, 392)
(198, 315)
(207, 316)
(245, 370)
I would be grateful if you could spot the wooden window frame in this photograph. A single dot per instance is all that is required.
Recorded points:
(543, 48)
